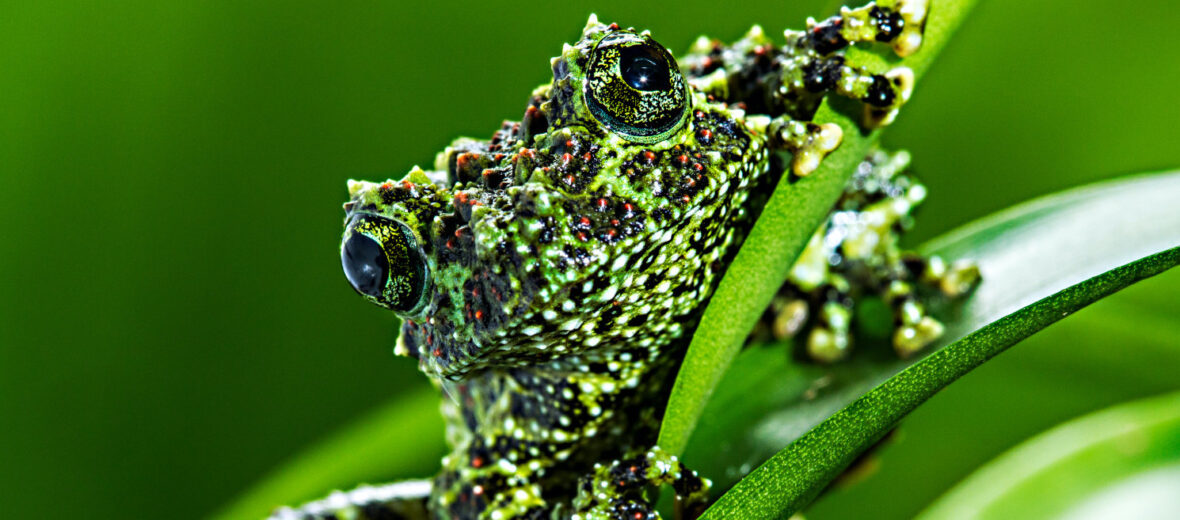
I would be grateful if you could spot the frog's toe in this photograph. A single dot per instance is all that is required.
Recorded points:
(826, 345)
(960, 279)
(901, 81)
(909, 339)
(818, 144)
(789, 319)
(913, 12)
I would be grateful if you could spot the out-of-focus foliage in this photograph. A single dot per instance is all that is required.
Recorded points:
(1123, 462)
(173, 323)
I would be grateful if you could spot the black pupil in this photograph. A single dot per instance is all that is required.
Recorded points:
(365, 264)
(644, 69)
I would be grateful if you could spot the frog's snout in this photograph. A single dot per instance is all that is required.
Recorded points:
(383, 262)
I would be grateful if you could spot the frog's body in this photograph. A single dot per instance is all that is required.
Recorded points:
(551, 277)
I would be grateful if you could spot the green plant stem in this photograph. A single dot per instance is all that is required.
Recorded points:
(790, 217)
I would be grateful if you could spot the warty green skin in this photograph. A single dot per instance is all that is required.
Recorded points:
(564, 265)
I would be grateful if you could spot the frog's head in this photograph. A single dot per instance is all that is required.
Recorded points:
(597, 215)
(617, 82)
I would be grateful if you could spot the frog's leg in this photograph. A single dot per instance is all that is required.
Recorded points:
(397, 501)
(616, 491)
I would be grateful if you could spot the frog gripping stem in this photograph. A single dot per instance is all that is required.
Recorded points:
(549, 279)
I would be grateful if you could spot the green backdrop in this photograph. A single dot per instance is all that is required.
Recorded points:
(173, 320)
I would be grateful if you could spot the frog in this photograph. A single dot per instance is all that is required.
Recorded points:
(549, 278)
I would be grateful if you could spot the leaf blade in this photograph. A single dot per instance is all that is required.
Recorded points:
(1114, 219)
(794, 476)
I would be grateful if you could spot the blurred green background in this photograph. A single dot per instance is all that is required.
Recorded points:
(173, 322)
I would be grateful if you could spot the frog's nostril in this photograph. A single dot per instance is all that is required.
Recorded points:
(365, 264)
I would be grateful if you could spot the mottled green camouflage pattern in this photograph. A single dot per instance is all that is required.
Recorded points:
(550, 278)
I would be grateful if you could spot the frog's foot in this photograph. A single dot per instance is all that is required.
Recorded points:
(817, 68)
(897, 22)
(616, 491)
(397, 501)
(808, 142)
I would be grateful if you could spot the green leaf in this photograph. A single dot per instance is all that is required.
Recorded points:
(1123, 462)
(403, 439)
(792, 214)
(1041, 261)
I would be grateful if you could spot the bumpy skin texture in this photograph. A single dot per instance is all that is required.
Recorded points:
(549, 278)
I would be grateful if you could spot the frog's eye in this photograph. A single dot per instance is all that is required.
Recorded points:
(634, 88)
(382, 261)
